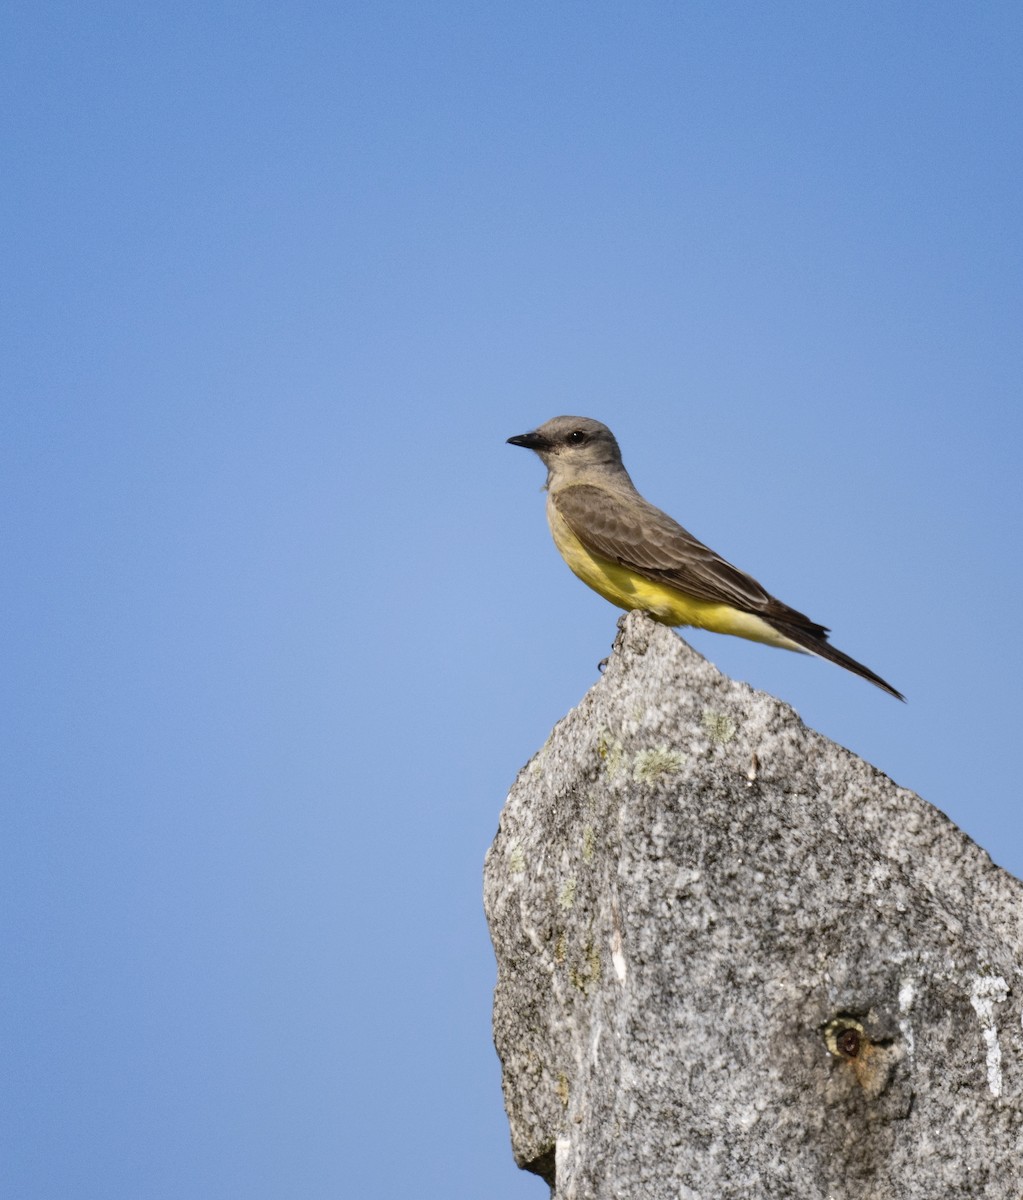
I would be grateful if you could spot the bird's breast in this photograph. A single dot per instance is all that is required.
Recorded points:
(619, 584)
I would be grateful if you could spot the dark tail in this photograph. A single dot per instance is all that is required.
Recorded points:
(814, 638)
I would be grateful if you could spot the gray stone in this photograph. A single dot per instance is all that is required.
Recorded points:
(735, 960)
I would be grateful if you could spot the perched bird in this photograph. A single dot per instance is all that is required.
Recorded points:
(639, 558)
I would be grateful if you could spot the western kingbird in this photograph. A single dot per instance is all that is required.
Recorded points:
(639, 558)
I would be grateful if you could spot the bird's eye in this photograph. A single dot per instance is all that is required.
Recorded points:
(576, 437)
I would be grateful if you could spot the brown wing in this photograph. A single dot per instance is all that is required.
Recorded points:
(634, 534)
(631, 532)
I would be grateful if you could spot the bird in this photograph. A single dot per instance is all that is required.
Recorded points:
(638, 557)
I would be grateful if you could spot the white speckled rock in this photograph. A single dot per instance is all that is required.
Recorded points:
(734, 960)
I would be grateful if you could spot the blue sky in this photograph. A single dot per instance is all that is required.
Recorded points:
(282, 616)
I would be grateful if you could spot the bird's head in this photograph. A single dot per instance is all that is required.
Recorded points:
(572, 444)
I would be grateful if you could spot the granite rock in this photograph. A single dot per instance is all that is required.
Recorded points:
(735, 960)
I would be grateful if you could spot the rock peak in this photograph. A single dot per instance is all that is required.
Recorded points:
(735, 960)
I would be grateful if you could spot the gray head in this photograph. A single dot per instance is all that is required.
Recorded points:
(571, 444)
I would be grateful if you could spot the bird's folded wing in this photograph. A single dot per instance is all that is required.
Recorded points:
(627, 530)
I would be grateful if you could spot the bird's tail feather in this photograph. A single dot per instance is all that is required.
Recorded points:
(817, 643)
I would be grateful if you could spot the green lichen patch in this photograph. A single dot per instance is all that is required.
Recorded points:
(589, 842)
(584, 974)
(654, 764)
(610, 752)
(720, 728)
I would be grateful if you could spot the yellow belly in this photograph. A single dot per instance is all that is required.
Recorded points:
(668, 605)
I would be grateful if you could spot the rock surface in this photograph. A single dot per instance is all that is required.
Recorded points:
(734, 960)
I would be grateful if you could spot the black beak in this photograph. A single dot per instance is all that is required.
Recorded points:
(531, 441)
